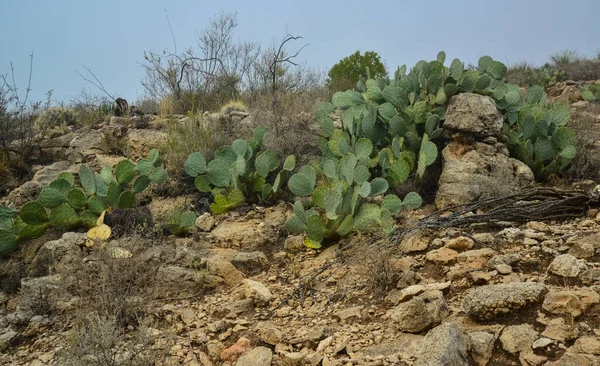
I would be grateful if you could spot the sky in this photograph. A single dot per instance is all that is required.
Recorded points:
(110, 36)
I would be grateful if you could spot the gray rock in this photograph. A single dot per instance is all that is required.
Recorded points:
(421, 312)
(259, 356)
(482, 346)
(250, 262)
(445, 345)
(474, 171)
(489, 301)
(58, 256)
(405, 343)
(566, 265)
(473, 113)
(258, 292)
(517, 338)
(7, 338)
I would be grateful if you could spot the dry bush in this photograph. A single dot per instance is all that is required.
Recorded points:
(147, 106)
(377, 267)
(165, 107)
(100, 340)
(290, 122)
(116, 287)
(132, 221)
(90, 109)
(582, 70)
(586, 164)
(194, 134)
(234, 106)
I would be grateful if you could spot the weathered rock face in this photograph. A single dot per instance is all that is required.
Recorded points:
(475, 114)
(471, 172)
(421, 312)
(141, 141)
(445, 345)
(489, 301)
(44, 176)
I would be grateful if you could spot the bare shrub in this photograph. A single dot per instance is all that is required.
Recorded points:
(194, 134)
(377, 267)
(586, 164)
(116, 287)
(582, 70)
(90, 108)
(132, 221)
(100, 340)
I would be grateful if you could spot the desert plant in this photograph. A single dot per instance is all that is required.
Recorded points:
(242, 172)
(57, 117)
(65, 205)
(565, 57)
(234, 105)
(591, 93)
(343, 75)
(179, 222)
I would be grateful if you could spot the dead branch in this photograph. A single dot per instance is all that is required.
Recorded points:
(536, 204)
(97, 83)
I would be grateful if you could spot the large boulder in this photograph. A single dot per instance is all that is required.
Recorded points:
(44, 175)
(142, 141)
(446, 345)
(474, 171)
(487, 302)
(475, 114)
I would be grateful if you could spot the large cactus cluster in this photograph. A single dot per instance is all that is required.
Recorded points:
(66, 203)
(338, 187)
(241, 172)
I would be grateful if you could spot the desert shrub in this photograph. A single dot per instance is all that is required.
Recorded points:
(194, 134)
(99, 340)
(582, 70)
(565, 57)
(132, 221)
(586, 164)
(234, 106)
(344, 74)
(90, 109)
(56, 117)
(147, 106)
(524, 74)
(165, 107)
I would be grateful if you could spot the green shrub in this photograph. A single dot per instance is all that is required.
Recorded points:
(344, 74)
(67, 204)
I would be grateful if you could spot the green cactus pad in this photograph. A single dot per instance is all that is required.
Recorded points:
(378, 186)
(188, 219)
(294, 225)
(113, 193)
(101, 187)
(219, 172)
(97, 206)
(303, 182)
(8, 243)
(266, 162)
(86, 177)
(63, 217)
(89, 219)
(202, 183)
(141, 183)
(33, 213)
(51, 197)
(124, 171)
(368, 218)
(226, 154)
(107, 175)
(145, 167)
(24, 231)
(67, 177)
(315, 228)
(391, 203)
(412, 201)
(195, 164)
(126, 200)
(159, 175)
(76, 198)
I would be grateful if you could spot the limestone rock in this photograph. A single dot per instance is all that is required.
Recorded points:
(205, 222)
(415, 243)
(482, 346)
(269, 333)
(570, 302)
(141, 141)
(566, 265)
(445, 345)
(489, 301)
(223, 268)
(471, 172)
(259, 356)
(250, 263)
(421, 312)
(517, 338)
(475, 114)
(258, 292)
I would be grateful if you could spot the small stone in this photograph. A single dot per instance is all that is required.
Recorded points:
(558, 330)
(258, 292)
(7, 338)
(573, 303)
(349, 312)
(232, 353)
(223, 268)
(269, 333)
(517, 338)
(460, 243)
(415, 243)
(542, 343)
(504, 269)
(205, 222)
(586, 344)
(250, 262)
(485, 238)
(582, 250)
(294, 244)
(443, 255)
(259, 356)
(421, 312)
(475, 259)
(482, 346)
(566, 265)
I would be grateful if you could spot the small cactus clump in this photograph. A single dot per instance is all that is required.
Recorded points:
(57, 117)
(234, 106)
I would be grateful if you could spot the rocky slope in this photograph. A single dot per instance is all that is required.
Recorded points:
(239, 291)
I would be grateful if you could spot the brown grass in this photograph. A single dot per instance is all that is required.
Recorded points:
(586, 164)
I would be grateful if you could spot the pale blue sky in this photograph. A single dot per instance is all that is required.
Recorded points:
(109, 36)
